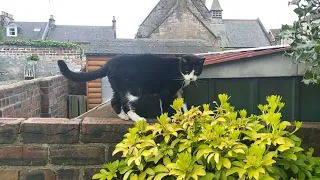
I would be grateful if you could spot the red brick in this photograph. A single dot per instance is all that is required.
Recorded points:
(50, 130)
(41, 174)
(109, 156)
(107, 130)
(9, 130)
(23, 155)
(9, 174)
(77, 155)
(68, 174)
(8, 111)
(88, 173)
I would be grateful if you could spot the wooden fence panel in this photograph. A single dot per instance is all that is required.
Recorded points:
(278, 86)
(238, 89)
(302, 102)
(309, 103)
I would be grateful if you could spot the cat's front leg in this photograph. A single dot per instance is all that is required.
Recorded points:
(180, 95)
(129, 106)
(165, 102)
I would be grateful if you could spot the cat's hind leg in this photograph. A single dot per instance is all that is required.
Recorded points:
(129, 102)
(117, 107)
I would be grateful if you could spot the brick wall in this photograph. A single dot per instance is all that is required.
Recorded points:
(63, 149)
(48, 53)
(54, 92)
(57, 149)
(13, 59)
(45, 97)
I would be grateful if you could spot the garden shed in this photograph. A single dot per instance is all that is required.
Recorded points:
(99, 52)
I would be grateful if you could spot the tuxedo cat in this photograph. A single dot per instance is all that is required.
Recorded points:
(134, 76)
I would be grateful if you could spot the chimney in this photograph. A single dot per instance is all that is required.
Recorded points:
(114, 27)
(52, 22)
(5, 18)
(49, 26)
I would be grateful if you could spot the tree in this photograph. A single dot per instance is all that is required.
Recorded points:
(304, 37)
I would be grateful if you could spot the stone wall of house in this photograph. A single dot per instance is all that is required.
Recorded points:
(44, 97)
(13, 60)
(64, 149)
(182, 24)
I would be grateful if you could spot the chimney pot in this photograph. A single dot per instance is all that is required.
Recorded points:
(114, 27)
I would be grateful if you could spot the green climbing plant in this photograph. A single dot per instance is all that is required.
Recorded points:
(304, 36)
(41, 43)
(1, 32)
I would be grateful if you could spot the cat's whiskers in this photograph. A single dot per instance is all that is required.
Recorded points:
(196, 83)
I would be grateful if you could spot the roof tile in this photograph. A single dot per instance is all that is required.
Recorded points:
(153, 46)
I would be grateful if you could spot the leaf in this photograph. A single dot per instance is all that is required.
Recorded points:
(267, 178)
(283, 147)
(134, 177)
(238, 170)
(294, 168)
(142, 176)
(160, 176)
(127, 174)
(226, 163)
(166, 160)
(160, 168)
(291, 156)
(103, 171)
(99, 176)
(301, 176)
(239, 151)
(146, 153)
(208, 176)
(216, 157)
(149, 171)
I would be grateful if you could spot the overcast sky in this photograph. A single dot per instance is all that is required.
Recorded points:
(130, 13)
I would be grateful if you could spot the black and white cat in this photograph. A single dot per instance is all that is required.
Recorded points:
(134, 76)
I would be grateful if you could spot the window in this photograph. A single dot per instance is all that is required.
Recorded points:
(216, 14)
(12, 31)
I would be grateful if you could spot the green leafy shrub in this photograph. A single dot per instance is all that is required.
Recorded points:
(33, 57)
(214, 144)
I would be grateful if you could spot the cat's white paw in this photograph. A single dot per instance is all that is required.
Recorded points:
(184, 108)
(123, 115)
(135, 117)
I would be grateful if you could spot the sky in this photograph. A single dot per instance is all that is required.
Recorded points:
(130, 13)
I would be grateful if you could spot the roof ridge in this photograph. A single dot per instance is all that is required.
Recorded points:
(239, 19)
(266, 34)
(80, 25)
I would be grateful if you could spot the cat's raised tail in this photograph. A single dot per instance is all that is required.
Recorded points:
(82, 76)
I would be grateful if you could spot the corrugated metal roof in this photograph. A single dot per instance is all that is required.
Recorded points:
(224, 56)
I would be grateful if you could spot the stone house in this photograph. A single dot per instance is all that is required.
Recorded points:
(191, 19)
(51, 31)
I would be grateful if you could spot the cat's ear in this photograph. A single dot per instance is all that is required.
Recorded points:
(202, 59)
(183, 59)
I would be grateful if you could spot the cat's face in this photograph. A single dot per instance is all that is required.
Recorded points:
(191, 67)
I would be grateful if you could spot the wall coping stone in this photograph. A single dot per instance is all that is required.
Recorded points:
(32, 81)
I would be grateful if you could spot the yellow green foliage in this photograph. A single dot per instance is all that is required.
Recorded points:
(214, 144)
